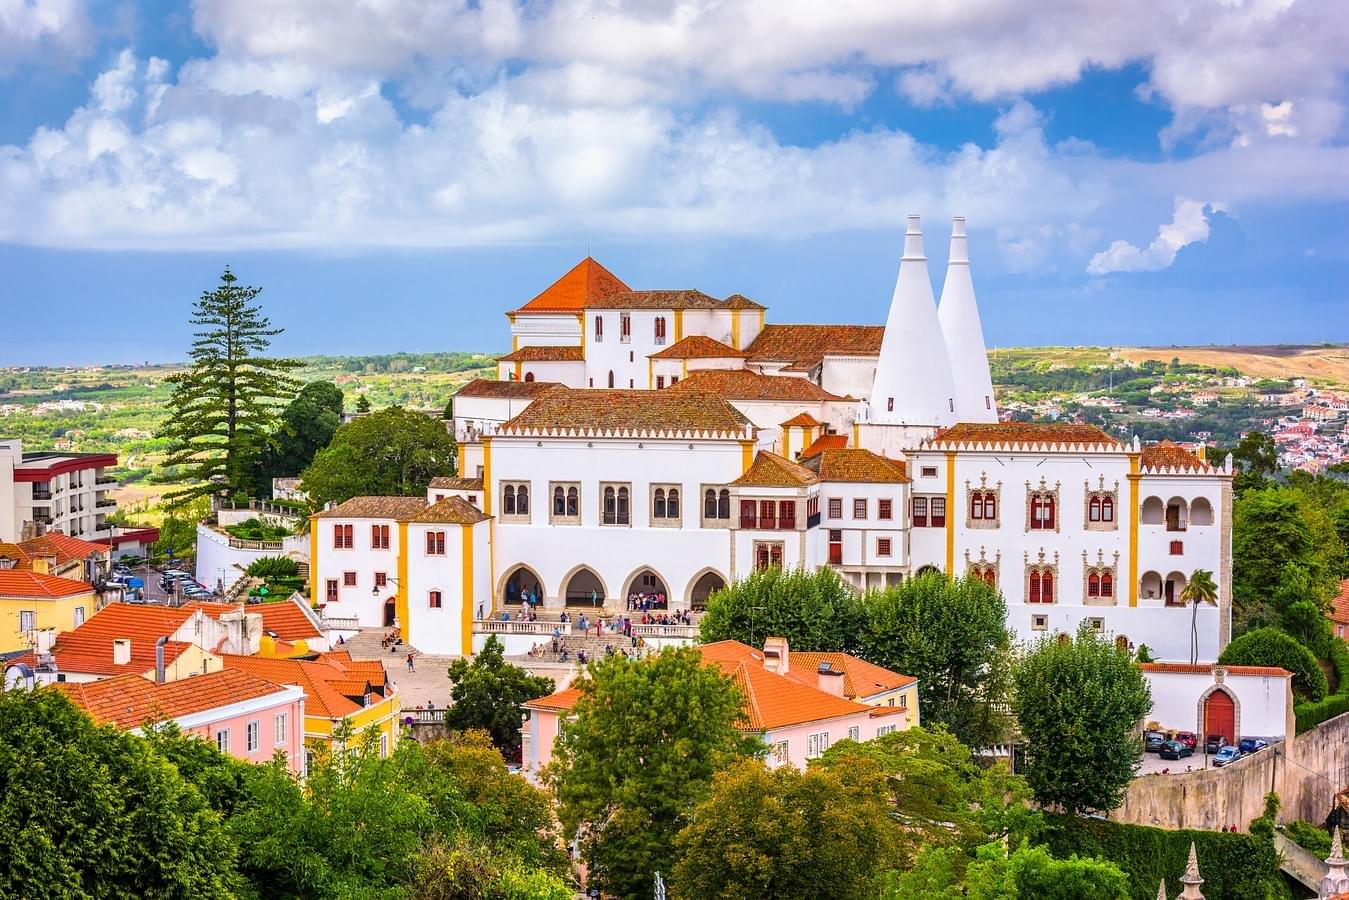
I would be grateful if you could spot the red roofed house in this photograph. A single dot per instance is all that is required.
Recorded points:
(246, 716)
(798, 703)
(55, 553)
(33, 602)
(1339, 611)
(1232, 701)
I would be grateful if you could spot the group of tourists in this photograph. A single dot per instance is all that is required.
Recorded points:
(640, 601)
(680, 617)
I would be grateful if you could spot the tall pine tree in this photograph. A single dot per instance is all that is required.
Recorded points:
(222, 407)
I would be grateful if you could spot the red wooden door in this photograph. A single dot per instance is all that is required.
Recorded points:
(1220, 716)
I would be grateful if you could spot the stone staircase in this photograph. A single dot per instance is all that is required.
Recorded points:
(573, 643)
(366, 644)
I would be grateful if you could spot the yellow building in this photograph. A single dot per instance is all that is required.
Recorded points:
(33, 601)
(336, 688)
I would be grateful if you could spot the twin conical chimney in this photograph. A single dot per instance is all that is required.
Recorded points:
(964, 334)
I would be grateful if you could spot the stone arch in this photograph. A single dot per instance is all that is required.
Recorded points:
(701, 586)
(1150, 588)
(522, 577)
(1177, 514)
(390, 619)
(1201, 511)
(1201, 725)
(574, 592)
(1153, 511)
(1174, 584)
(637, 583)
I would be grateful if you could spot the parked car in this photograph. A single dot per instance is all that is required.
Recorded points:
(1228, 753)
(1175, 750)
(1188, 738)
(1214, 743)
(1248, 746)
(1152, 741)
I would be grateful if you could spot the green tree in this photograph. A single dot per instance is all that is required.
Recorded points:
(463, 871)
(488, 693)
(306, 426)
(1078, 702)
(393, 452)
(363, 404)
(812, 610)
(1029, 873)
(178, 530)
(1256, 459)
(951, 635)
(1201, 588)
(95, 812)
(785, 833)
(1270, 531)
(1271, 647)
(223, 406)
(640, 753)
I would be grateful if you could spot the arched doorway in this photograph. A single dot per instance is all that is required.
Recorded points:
(520, 584)
(390, 613)
(703, 587)
(646, 590)
(1220, 715)
(584, 588)
(1175, 585)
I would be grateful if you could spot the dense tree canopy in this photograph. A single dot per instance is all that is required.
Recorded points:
(305, 427)
(951, 635)
(812, 610)
(1078, 702)
(94, 812)
(627, 771)
(393, 452)
(1028, 873)
(1256, 459)
(1271, 647)
(781, 832)
(1279, 535)
(488, 693)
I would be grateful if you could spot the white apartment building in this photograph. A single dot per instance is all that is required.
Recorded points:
(50, 491)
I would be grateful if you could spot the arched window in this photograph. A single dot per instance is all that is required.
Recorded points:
(977, 505)
(1094, 509)
(623, 518)
(610, 506)
(1042, 511)
(433, 599)
(673, 509)
(529, 376)
(522, 500)
(991, 576)
(709, 504)
(559, 502)
(1107, 585)
(724, 504)
(660, 330)
(1047, 588)
(599, 329)
(1093, 585)
(658, 503)
(983, 506)
(1033, 594)
(573, 502)
(1108, 509)
(508, 500)
(611, 378)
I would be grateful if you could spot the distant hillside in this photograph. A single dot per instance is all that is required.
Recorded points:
(1323, 363)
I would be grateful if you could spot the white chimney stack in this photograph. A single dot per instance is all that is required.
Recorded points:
(121, 651)
(964, 334)
(830, 679)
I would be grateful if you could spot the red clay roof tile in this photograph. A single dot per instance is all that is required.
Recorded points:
(584, 284)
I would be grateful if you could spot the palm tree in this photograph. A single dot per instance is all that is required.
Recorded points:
(1200, 589)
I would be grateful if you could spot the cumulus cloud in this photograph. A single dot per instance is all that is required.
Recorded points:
(48, 30)
(1189, 223)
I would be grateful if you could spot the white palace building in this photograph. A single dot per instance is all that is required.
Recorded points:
(667, 442)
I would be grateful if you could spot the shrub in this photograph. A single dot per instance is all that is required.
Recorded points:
(257, 530)
(1312, 838)
(274, 567)
(1271, 647)
(1309, 715)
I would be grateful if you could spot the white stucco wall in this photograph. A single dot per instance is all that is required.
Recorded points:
(216, 559)
(1263, 703)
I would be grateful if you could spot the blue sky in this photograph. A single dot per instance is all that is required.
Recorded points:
(397, 175)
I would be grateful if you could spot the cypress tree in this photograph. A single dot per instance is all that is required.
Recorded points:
(222, 407)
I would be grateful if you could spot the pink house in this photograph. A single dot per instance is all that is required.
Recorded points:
(798, 711)
(244, 715)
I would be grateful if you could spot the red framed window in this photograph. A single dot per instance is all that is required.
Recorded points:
(882, 546)
(767, 554)
(1107, 509)
(331, 591)
(768, 514)
(343, 537)
(1094, 510)
(938, 517)
(1177, 548)
(983, 506)
(1042, 512)
(379, 537)
(748, 519)
(835, 508)
(835, 547)
(660, 382)
(885, 509)
(381, 580)
(1040, 587)
(348, 579)
(1093, 585)
(787, 514)
(859, 508)
(433, 599)
(660, 330)
(435, 543)
(624, 327)
(919, 512)
(1107, 585)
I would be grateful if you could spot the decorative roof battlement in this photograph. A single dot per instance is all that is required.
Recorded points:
(1023, 436)
(1167, 458)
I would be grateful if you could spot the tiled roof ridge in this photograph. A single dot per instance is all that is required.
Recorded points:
(698, 346)
(650, 414)
(376, 507)
(579, 285)
(451, 511)
(1203, 668)
(545, 353)
(26, 583)
(1169, 458)
(771, 470)
(1022, 435)
(744, 384)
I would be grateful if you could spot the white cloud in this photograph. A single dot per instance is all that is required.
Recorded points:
(1189, 223)
(42, 30)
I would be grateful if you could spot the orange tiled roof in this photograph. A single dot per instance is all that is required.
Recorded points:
(771, 470)
(1339, 609)
(451, 511)
(56, 545)
(860, 678)
(1207, 668)
(825, 442)
(802, 420)
(446, 483)
(505, 390)
(129, 701)
(89, 648)
(805, 346)
(698, 346)
(319, 678)
(400, 508)
(285, 619)
(600, 411)
(538, 353)
(21, 583)
(1024, 433)
(855, 465)
(560, 700)
(687, 299)
(1167, 455)
(585, 284)
(742, 384)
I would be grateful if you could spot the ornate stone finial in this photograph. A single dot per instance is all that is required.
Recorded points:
(1161, 890)
(1191, 878)
(1336, 881)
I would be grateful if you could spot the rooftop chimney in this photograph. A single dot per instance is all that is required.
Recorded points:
(777, 655)
(121, 651)
(964, 334)
(831, 679)
(159, 659)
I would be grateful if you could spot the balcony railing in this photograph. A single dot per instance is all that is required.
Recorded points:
(105, 504)
(42, 495)
(105, 479)
(425, 716)
(496, 626)
(341, 623)
(686, 632)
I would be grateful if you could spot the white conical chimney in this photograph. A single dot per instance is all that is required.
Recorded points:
(959, 316)
(913, 383)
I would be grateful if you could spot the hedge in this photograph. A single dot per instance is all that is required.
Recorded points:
(1271, 647)
(1234, 866)
(1309, 715)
